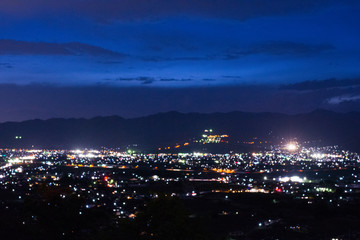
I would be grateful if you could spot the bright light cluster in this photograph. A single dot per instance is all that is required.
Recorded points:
(292, 179)
(291, 147)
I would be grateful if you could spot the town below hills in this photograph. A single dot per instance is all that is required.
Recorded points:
(166, 130)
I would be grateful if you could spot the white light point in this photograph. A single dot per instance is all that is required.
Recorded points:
(291, 147)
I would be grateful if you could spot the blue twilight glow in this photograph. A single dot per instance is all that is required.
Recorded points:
(181, 44)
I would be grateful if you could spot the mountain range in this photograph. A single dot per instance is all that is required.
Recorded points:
(171, 128)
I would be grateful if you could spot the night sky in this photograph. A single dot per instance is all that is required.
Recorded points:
(85, 58)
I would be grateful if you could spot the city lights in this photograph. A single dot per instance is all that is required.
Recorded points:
(119, 182)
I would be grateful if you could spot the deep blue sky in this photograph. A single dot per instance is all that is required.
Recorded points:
(82, 58)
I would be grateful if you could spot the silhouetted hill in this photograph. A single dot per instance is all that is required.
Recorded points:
(172, 127)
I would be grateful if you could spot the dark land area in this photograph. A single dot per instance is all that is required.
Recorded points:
(166, 129)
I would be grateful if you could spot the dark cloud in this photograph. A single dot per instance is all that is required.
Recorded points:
(143, 80)
(175, 80)
(292, 48)
(5, 65)
(12, 47)
(139, 9)
(148, 80)
(278, 48)
(322, 84)
(232, 77)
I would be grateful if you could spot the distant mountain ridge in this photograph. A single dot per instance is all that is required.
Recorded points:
(172, 127)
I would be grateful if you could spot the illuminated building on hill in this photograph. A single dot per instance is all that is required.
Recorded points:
(209, 137)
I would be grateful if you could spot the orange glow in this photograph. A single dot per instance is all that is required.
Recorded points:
(223, 170)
